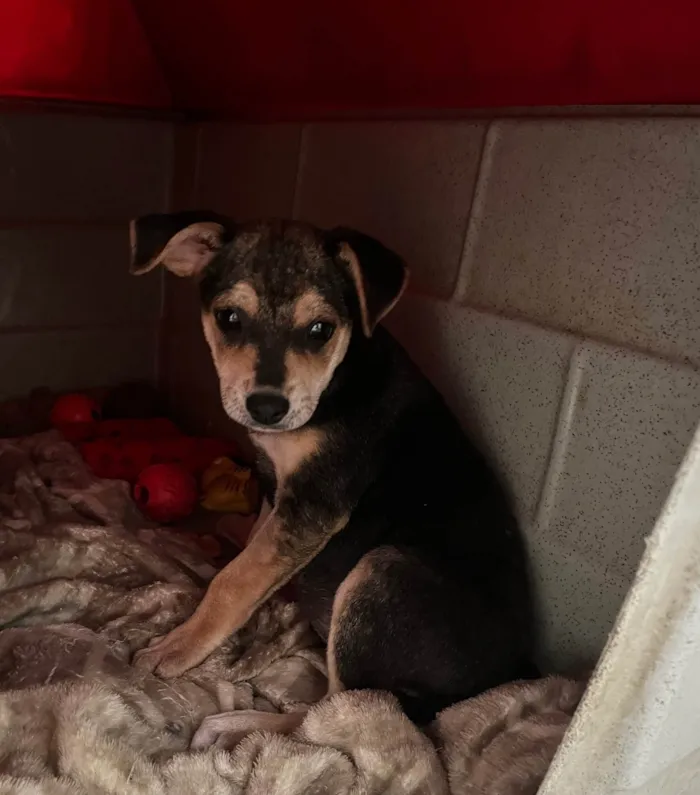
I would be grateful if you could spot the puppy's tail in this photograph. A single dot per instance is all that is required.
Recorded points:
(422, 706)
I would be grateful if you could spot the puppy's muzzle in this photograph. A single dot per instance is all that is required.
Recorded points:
(267, 408)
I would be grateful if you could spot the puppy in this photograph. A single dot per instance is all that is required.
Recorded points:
(406, 555)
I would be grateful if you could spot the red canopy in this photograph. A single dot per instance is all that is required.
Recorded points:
(316, 57)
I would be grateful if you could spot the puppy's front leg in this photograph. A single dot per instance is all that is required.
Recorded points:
(282, 546)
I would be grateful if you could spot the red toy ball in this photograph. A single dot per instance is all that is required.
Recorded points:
(73, 409)
(166, 492)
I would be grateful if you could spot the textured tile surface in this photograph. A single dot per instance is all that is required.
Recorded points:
(408, 183)
(631, 420)
(576, 602)
(182, 305)
(72, 276)
(193, 385)
(593, 226)
(503, 380)
(79, 167)
(74, 359)
(247, 170)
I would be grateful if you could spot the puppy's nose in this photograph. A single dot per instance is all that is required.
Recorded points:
(267, 408)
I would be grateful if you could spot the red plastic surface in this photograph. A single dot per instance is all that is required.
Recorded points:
(313, 58)
(125, 458)
(78, 50)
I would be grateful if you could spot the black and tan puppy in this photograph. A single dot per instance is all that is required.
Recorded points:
(404, 549)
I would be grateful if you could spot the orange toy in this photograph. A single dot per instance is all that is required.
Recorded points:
(226, 486)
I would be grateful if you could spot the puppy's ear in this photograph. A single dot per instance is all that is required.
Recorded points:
(379, 275)
(183, 242)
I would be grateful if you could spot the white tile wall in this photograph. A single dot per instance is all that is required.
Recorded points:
(504, 380)
(64, 360)
(632, 418)
(593, 226)
(72, 276)
(69, 185)
(409, 184)
(249, 170)
(628, 420)
(82, 168)
(584, 226)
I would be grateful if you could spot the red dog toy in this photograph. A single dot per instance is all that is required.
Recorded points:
(125, 458)
(166, 492)
(69, 409)
(75, 415)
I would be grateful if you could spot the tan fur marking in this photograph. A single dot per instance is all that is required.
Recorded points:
(288, 450)
(132, 242)
(344, 596)
(233, 596)
(242, 295)
(187, 253)
(265, 511)
(233, 364)
(346, 253)
(311, 372)
(312, 306)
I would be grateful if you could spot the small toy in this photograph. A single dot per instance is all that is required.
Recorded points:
(124, 458)
(166, 492)
(118, 459)
(75, 415)
(74, 408)
(226, 486)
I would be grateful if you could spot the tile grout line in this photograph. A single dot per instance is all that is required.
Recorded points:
(196, 168)
(475, 216)
(301, 158)
(561, 439)
(577, 335)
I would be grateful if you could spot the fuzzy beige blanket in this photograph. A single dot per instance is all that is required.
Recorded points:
(84, 582)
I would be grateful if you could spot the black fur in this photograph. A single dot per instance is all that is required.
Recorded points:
(451, 617)
(444, 611)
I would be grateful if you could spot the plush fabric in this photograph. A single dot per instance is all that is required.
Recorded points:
(84, 582)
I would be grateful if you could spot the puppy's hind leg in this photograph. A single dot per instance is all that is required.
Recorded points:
(399, 624)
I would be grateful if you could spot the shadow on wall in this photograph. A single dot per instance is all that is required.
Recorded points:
(425, 339)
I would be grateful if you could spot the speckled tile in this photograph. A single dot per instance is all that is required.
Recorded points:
(592, 226)
(503, 380)
(632, 418)
(247, 170)
(576, 602)
(75, 359)
(73, 166)
(72, 276)
(192, 383)
(181, 304)
(409, 184)
(638, 728)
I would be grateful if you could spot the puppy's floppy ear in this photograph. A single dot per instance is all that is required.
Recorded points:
(183, 242)
(379, 275)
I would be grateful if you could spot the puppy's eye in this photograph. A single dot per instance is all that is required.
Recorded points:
(228, 320)
(320, 331)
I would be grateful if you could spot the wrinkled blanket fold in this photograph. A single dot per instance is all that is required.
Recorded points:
(85, 581)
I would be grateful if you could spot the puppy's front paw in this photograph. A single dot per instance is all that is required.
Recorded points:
(172, 654)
